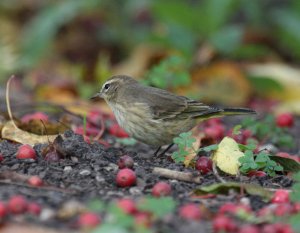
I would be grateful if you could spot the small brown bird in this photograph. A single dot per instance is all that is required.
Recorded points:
(155, 116)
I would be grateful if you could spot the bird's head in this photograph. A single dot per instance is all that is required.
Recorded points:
(110, 89)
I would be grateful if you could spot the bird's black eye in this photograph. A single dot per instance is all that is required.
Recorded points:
(106, 86)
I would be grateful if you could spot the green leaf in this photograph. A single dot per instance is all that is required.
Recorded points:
(224, 188)
(126, 141)
(289, 165)
(237, 130)
(96, 205)
(110, 228)
(265, 84)
(119, 217)
(215, 14)
(294, 221)
(228, 39)
(159, 207)
(210, 148)
(171, 72)
(288, 25)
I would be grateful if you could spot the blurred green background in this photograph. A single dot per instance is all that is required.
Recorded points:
(87, 40)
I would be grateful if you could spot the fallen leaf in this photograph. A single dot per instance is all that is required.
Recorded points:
(11, 132)
(289, 165)
(226, 157)
(224, 188)
(218, 83)
(192, 151)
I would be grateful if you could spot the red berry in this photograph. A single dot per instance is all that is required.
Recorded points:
(222, 223)
(233, 208)
(17, 204)
(94, 117)
(1, 158)
(117, 131)
(190, 212)
(204, 165)
(143, 219)
(296, 207)
(213, 121)
(277, 228)
(52, 156)
(285, 120)
(26, 152)
(249, 229)
(281, 196)
(125, 161)
(89, 220)
(126, 177)
(161, 189)
(3, 210)
(215, 131)
(256, 173)
(35, 181)
(34, 208)
(247, 133)
(265, 211)
(283, 209)
(127, 205)
(35, 116)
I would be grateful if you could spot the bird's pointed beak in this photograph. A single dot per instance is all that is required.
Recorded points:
(96, 96)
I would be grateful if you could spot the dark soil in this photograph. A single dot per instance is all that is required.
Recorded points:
(88, 171)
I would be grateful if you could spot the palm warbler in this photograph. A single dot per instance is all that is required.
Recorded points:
(155, 116)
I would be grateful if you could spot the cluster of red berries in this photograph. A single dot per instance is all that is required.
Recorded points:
(280, 205)
(17, 205)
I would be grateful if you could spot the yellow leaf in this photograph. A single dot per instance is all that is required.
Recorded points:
(11, 132)
(227, 156)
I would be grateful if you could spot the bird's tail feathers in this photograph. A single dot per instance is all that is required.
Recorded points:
(219, 112)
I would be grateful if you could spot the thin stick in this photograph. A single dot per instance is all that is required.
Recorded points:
(215, 171)
(8, 102)
(182, 176)
(99, 135)
(44, 188)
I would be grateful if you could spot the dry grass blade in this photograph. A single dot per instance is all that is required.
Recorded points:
(8, 102)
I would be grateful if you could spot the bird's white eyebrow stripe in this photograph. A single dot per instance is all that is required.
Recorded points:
(109, 82)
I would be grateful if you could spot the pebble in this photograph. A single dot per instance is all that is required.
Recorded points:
(111, 167)
(67, 169)
(74, 159)
(135, 191)
(100, 178)
(85, 172)
(47, 214)
(15, 166)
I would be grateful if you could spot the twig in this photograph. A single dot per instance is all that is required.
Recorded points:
(8, 102)
(216, 174)
(182, 176)
(44, 188)
(99, 135)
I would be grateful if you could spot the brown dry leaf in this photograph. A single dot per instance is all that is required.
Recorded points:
(192, 151)
(10, 132)
(70, 209)
(221, 82)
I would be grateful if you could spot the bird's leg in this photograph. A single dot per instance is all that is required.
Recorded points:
(157, 150)
(165, 150)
